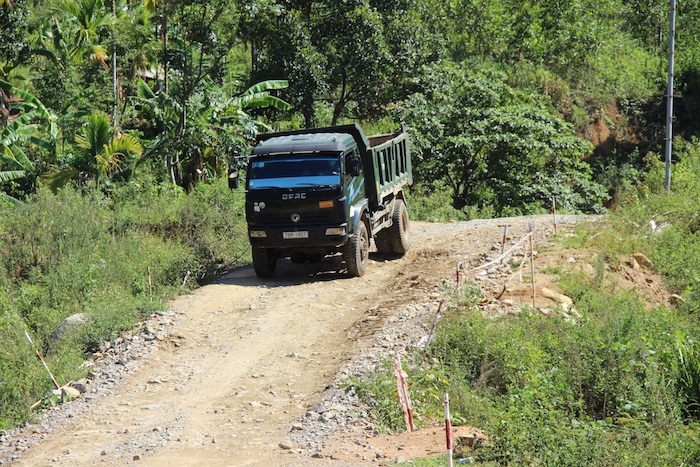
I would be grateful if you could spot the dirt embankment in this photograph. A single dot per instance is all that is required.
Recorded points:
(232, 369)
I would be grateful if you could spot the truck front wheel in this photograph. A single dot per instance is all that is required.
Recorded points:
(356, 253)
(398, 232)
(264, 262)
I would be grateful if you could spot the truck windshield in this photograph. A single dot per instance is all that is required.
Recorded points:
(293, 171)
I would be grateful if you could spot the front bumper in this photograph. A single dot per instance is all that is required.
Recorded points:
(298, 236)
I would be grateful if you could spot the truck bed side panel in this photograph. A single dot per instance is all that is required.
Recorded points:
(391, 166)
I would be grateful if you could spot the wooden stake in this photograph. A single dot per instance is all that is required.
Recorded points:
(532, 262)
(150, 285)
(505, 238)
(448, 429)
(432, 329)
(43, 362)
(404, 396)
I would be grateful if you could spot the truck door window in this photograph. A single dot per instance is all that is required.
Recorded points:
(353, 165)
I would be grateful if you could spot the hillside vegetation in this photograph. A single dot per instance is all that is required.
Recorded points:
(118, 120)
(616, 383)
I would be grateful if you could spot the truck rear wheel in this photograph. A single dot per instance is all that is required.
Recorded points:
(399, 230)
(356, 252)
(383, 242)
(264, 262)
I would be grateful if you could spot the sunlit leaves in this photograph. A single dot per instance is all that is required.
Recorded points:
(86, 20)
(259, 96)
(103, 153)
(496, 146)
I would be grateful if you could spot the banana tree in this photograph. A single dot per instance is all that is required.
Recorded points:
(86, 19)
(215, 124)
(16, 133)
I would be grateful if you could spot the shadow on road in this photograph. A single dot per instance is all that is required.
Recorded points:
(288, 273)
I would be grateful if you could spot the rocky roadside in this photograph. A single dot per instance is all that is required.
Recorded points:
(406, 332)
(108, 369)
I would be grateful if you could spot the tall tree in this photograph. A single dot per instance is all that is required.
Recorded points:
(495, 146)
(196, 53)
(355, 57)
(13, 24)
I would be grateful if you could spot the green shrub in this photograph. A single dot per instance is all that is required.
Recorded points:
(84, 252)
(433, 204)
(553, 392)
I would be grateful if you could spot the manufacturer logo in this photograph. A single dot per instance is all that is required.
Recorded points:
(296, 217)
(286, 196)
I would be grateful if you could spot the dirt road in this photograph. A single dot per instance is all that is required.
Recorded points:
(246, 358)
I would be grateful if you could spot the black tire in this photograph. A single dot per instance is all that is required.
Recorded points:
(383, 242)
(264, 262)
(356, 252)
(399, 230)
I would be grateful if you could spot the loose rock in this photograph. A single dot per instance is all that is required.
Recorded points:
(286, 444)
(68, 325)
(556, 296)
(642, 260)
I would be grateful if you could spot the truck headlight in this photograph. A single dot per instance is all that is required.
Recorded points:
(257, 234)
(336, 231)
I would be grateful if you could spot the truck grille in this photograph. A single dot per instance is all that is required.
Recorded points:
(282, 220)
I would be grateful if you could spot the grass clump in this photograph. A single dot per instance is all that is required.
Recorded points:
(86, 252)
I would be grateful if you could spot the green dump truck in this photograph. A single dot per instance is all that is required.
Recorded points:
(326, 191)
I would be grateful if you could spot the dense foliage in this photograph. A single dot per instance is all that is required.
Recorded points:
(497, 147)
(498, 95)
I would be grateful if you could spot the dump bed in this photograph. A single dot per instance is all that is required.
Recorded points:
(391, 165)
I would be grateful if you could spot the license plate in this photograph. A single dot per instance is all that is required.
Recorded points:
(301, 234)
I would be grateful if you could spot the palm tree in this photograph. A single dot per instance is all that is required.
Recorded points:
(105, 154)
(108, 153)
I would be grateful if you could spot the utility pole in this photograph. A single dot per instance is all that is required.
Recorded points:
(115, 84)
(669, 93)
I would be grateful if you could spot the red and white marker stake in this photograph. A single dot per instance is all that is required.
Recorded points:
(448, 429)
(43, 362)
(404, 396)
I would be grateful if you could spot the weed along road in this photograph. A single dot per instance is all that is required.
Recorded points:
(246, 358)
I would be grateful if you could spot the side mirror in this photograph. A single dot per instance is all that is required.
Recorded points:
(233, 178)
(354, 166)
